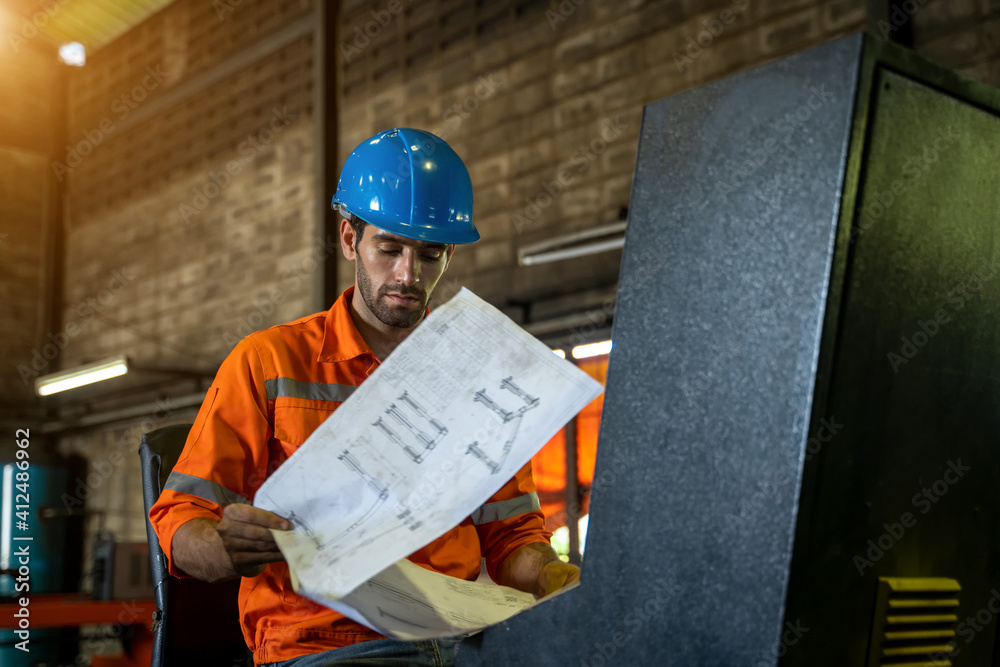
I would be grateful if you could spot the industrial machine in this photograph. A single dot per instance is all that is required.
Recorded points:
(797, 458)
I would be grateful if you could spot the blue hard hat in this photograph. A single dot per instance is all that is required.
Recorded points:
(411, 183)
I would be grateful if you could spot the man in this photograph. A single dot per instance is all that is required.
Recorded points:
(407, 201)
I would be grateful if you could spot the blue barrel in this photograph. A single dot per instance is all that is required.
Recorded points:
(21, 525)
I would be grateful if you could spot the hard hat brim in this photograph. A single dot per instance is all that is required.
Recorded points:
(417, 233)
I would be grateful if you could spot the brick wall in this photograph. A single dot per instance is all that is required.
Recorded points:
(23, 216)
(524, 90)
(30, 77)
(960, 34)
(189, 175)
(188, 224)
(528, 91)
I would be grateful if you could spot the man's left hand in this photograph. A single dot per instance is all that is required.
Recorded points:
(555, 575)
(535, 568)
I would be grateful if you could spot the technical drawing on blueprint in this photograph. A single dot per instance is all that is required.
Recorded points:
(451, 415)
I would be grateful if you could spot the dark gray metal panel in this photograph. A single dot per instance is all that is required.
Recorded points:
(717, 328)
(909, 487)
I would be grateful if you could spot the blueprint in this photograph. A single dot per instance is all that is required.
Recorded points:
(445, 421)
(407, 602)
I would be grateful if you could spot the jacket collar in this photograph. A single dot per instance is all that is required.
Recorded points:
(341, 339)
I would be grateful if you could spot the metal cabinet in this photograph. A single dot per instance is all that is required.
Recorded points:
(806, 338)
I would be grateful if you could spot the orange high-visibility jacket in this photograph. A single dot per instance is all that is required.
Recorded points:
(272, 391)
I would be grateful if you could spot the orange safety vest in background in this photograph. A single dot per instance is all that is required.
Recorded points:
(272, 391)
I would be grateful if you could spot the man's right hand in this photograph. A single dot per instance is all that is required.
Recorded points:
(246, 537)
(240, 545)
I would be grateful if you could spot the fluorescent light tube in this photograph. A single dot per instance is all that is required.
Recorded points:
(592, 349)
(80, 376)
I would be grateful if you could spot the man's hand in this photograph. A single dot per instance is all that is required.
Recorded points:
(246, 537)
(240, 545)
(536, 569)
(555, 575)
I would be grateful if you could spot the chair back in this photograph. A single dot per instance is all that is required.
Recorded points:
(195, 622)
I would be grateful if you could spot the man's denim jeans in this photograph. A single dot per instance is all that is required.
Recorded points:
(387, 652)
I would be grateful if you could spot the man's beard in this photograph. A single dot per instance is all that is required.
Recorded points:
(398, 317)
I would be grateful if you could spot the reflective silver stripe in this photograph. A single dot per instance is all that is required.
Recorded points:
(205, 489)
(317, 391)
(506, 509)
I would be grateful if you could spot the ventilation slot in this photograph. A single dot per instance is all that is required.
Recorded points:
(914, 622)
